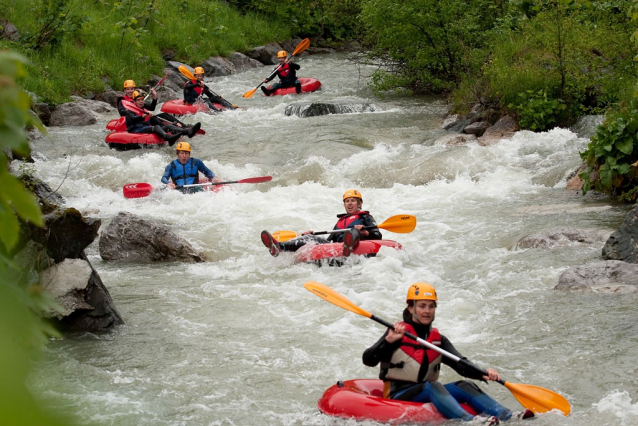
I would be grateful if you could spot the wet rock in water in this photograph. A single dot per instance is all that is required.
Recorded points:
(243, 62)
(455, 139)
(561, 237)
(216, 66)
(454, 123)
(504, 128)
(85, 303)
(132, 239)
(267, 55)
(477, 128)
(80, 112)
(623, 243)
(314, 109)
(610, 276)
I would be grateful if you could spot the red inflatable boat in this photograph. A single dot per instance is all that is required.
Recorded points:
(334, 251)
(125, 140)
(118, 125)
(307, 85)
(177, 107)
(362, 399)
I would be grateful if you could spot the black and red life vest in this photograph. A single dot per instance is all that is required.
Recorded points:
(413, 362)
(350, 220)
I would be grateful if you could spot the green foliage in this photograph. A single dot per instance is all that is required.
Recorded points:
(536, 111)
(612, 155)
(76, 47)
(427, 46)
(22, 333)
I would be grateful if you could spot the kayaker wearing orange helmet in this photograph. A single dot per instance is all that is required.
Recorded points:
(195, 89)
(129, 88)
(410, 371)
(140, 120)
(185, 170)
(360, 223)
(287, 73)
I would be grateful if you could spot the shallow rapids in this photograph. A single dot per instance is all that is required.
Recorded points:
(237, 340)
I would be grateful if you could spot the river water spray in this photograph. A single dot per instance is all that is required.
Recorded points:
(237, 340)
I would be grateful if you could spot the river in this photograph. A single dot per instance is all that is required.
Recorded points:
(237, 340)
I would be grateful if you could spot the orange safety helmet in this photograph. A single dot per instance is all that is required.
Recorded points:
(282, 54)
(129, 84)
(352, 193)
(421, 291)
(183, 146)
(137, 94)
(198, 70)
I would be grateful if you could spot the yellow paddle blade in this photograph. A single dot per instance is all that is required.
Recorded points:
(537, 399)
(335, 298)
(186, 72)
(401, 224)
(282, 236)
(249, 94)
(303, 45)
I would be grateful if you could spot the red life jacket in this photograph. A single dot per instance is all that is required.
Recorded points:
(284, 70)
(407, 361)
(199, 89)
(350, 220)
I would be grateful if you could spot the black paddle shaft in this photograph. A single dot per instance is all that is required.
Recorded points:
(337, 231)
(465, 365)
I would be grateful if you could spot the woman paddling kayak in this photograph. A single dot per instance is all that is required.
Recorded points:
(410, 371)
(353, 219)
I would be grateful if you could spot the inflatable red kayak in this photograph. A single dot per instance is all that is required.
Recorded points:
(362, 399)
(177, 107)
(334, 251)
(125, 140)
(307, 85)
(118, 125)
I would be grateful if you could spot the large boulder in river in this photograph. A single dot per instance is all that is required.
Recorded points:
(80, 112)
(623, 244)
(561, 237)
(267, 55)
(216, 66)
(132, 239)
(314, 109)
(85, 303)
(610, 276)
(504, 128)
(243, 62)
(455, 139)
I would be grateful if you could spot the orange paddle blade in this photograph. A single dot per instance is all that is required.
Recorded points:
(537, 399)
(249, 94)
(186, 72)
(326, 293)
(282, 236)
(303, 45)
(401, 224)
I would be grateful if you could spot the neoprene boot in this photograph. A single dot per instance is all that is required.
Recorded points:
(170, 139)
(298, 87)
(266, 91)
(192, 130)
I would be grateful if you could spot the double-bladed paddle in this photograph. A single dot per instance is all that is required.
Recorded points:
(141, 189)
(401, 224)
(159, 83)
(188, 73)
(303, 45)
(537, 399)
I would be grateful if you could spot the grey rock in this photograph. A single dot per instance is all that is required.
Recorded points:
(110, 97)
(454, 123)
(66, 234)
(80, 112)
(243, 62)
(455, 139)
(218, 67)
(319, 50)
(623, 243)
(132, 239)
(610, 276)
(561, 237)
(267, 55)
(9, 31)
(314, 109)
(504, 128)
(477, 129)
(43, 112)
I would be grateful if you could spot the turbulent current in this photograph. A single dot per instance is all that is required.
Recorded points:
(237, 340)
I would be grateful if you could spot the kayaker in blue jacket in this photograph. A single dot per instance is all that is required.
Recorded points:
(185, 170)
(360, 223)
(287, 73)
(410, 371)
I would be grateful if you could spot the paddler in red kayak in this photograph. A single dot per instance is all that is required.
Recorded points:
(287, 73)
(410, 371)
(140, 120)
(353, 219)
(185, 170)
(195, 90)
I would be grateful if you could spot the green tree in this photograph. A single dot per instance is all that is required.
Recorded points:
(22, 332)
